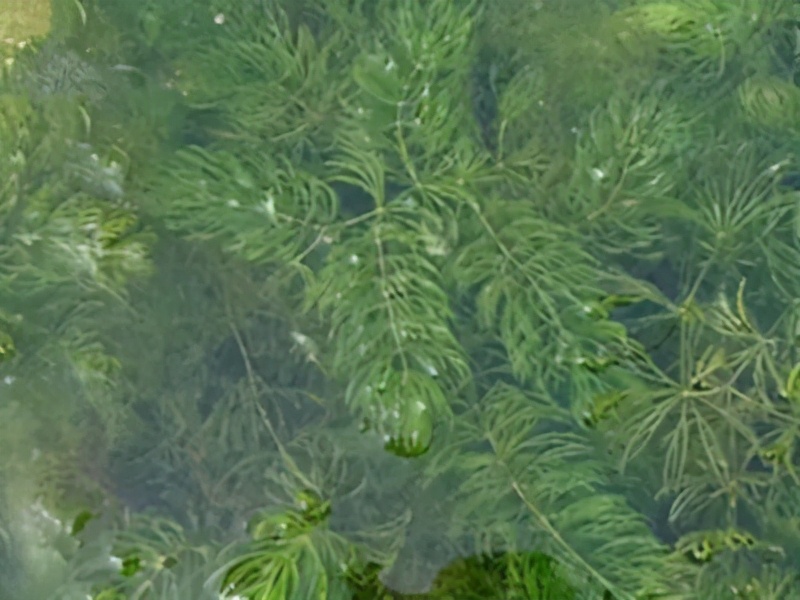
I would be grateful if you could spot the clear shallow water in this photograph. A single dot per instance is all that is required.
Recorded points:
(498, 281)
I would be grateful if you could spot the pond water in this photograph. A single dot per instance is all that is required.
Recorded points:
(386, 299)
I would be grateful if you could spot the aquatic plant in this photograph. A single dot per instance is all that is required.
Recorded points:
(391, 300)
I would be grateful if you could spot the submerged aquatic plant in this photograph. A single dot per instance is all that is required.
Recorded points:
(374, 300)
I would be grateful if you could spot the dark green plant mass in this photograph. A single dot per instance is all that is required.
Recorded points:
(444, 299)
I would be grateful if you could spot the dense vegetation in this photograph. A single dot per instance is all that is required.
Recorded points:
(389, 299)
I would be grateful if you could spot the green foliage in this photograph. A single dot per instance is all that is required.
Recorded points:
(271, 204)
(281, 90)
(545, 482)
(291, 557)
(524, 274)
(770, 101)
(401, 300)
(68, 250)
